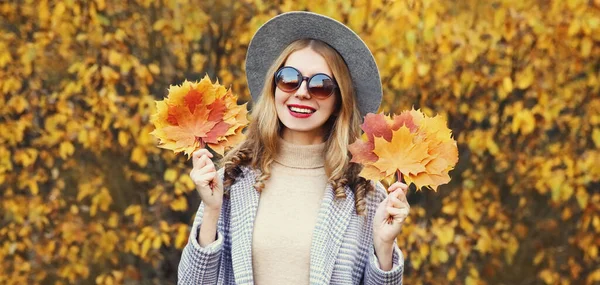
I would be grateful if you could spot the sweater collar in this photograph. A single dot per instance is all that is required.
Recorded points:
(300, 156)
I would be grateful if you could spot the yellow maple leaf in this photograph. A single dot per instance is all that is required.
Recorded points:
(371, 172)
(400, 154)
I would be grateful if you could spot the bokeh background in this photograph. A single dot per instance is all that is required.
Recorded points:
(88, 198)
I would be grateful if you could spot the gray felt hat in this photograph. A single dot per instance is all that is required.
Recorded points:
(277, 33)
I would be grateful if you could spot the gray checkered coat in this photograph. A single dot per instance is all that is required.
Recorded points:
(341, 251)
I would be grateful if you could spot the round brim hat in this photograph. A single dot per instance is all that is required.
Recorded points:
(277, 33)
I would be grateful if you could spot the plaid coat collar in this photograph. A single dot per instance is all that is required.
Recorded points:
(332, 221)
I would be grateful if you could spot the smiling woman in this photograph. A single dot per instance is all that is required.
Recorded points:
(301, 112)
(288, 206)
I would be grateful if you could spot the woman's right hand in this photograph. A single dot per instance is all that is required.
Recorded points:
(208, 184)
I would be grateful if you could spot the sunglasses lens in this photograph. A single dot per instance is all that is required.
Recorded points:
(321, 86)
(287, 79)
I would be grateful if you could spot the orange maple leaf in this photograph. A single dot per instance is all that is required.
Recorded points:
(199, 114)
(420, 148)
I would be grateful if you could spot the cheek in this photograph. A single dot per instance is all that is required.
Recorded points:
(330, 105)
(280, 97)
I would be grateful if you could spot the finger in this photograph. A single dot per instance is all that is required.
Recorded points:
(200, 152)
(203, 161)
(199, 162)
(197, 156)
(397, 214)
(398, 203)
(393, 187)
(398, 185)
(204, 179)
(399, 195)
(209, 167)
(396, 193)
(405, 190)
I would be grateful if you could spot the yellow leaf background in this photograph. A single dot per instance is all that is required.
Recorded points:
(87, 197)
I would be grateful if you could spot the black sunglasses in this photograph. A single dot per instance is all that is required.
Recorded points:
(319, 85)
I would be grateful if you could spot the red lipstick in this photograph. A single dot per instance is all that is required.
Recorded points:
(301, 111)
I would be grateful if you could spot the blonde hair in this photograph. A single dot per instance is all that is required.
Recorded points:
(260, 146)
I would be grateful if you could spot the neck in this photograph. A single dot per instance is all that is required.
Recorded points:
(300, 156)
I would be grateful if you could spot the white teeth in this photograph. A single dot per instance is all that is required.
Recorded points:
(301, 110)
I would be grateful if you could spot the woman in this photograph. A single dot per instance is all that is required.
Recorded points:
(288, 207)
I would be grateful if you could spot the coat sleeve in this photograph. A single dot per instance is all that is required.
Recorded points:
(374, 275)
(200, 265)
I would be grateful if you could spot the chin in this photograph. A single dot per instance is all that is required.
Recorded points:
(302, 126)
(299, 128)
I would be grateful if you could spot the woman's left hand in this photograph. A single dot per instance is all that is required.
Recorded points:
(394, 206)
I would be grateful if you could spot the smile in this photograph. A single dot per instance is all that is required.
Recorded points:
(301, 111)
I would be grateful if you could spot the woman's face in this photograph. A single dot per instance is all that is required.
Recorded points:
(304, 116)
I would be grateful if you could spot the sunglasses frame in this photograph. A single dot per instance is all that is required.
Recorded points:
(307, 79)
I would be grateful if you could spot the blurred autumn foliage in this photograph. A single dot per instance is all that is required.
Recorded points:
(87, 197)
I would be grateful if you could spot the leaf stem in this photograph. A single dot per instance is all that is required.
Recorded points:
(399, 177)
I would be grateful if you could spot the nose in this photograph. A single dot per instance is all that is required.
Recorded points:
(302, 91)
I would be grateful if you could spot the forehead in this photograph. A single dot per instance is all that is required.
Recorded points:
(308, 62)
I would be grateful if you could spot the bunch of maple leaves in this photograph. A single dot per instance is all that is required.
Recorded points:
(199, 114)
(415, 148)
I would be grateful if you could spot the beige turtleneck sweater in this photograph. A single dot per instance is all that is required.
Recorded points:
(287, 214)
